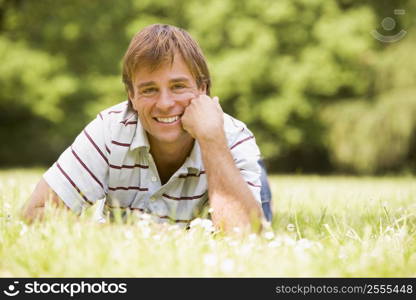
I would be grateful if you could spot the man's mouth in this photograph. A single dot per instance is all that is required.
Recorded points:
(168, 120)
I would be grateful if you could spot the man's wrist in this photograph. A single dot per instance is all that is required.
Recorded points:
(212, 140)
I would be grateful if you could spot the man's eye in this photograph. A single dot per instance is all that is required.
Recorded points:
(178, 86)
(149, 91)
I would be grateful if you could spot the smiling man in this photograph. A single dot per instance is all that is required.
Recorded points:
(169, 150)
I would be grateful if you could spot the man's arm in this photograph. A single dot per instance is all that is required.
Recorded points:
(230, 198)
(35, 206)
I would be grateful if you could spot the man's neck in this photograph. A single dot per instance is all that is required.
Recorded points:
(170, 157)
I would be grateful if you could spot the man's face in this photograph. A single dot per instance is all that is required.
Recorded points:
(160, 98)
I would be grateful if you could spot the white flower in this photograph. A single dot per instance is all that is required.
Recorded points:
(101, 220)
(146, 232)
(210, 259)
(128, 234)
(232, 243)
(288, 241)
(268, 235)
(252, 237)
(227, 265)
(145, 216)
(174, 227)
(207, 225)
(343, 256)
(236, 229)
(196, 222)
(24, 230)
(304, 244)
(274, 244)
(246, 249)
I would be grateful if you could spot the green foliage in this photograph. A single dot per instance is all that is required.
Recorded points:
(370, 138)
(32, 79)
(276, 65)
(379, 135)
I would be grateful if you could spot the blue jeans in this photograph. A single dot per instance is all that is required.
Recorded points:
(265, 193)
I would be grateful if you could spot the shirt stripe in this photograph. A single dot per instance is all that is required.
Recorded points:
(129, 166)
(120, 144)
(107, 149)
(125, 122)
(95, 146)
(191, 175)
(242, 141)
(118, 169)
(72, 183)
(252, 184)
(86, 168)
(126, 188)
(183, 198)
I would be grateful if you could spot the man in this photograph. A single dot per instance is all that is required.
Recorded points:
(168, 151)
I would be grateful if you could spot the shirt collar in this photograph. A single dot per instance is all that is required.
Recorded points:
(140, 140)
(140, 137)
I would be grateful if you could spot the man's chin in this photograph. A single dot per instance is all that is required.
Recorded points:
(181, 138)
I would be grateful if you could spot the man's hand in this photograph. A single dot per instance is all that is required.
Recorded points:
(203, 118)
(230, 198)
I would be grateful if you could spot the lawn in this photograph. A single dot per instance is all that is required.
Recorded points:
(323, 226)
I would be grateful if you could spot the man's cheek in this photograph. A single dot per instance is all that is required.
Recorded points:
(134, 104)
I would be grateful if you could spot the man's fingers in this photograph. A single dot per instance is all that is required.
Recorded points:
(199, 95)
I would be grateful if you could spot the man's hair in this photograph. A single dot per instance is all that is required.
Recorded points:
(157, 44)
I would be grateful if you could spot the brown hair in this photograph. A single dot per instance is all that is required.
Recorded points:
(158, 43)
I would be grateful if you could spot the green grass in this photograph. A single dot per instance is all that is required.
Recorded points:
(323, 226)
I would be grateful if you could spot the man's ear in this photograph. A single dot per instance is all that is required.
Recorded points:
(203, 89)
(130, 94)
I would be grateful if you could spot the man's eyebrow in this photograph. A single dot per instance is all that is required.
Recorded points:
(179, 79)
(144, 84)
(150, 83)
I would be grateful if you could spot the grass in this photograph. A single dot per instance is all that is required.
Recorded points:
(323, 226)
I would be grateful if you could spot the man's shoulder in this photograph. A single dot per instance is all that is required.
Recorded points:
(236, 131)
(119, 113)
(115, 110)
(237, 134)
(233, 126)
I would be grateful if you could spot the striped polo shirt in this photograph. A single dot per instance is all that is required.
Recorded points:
(110, 160)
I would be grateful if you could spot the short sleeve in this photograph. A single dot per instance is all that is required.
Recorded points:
(80, 175)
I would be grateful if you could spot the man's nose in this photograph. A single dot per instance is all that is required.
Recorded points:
(165, 101)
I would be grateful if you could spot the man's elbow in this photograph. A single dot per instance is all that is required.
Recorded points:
(35, 207)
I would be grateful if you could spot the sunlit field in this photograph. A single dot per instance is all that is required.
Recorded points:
(323, 226)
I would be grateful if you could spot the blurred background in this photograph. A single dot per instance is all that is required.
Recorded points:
(327, 86)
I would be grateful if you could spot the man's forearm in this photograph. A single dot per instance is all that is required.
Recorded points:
(34, 208)
(230, 198)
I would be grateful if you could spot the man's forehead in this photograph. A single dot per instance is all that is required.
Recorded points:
(140, 83)
(175, 70)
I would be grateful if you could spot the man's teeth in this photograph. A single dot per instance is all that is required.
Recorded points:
(168, 120)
